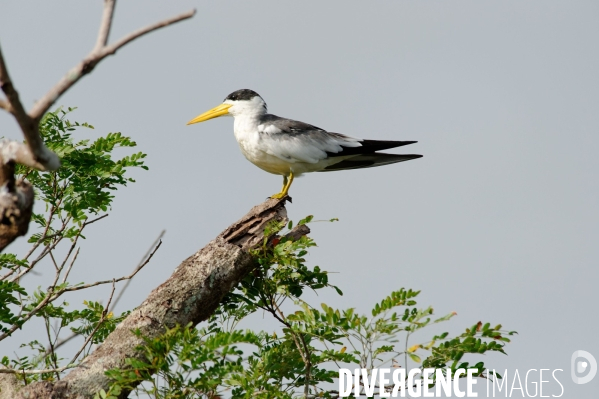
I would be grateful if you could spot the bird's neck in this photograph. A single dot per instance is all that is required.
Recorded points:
(245, 128)
(247, 122)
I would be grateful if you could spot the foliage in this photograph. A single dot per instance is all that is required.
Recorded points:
(300, 358)
(78, 194)
(303, 358)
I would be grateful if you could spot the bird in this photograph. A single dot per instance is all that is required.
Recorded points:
(291, 148)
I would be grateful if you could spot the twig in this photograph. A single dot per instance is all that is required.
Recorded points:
(303, 349)
(105, 312)
(146, 255)
(54, 261)
(53, 358)
(86, 223)
(48, 248)
(43, 236)
(71, 364)
(88, 63)
(64, 279)
(130, 276)
(60, 343)
(105, 25)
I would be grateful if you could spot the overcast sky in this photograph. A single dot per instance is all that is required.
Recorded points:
(499, 221)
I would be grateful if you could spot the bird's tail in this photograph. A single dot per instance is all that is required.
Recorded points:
(369, 161)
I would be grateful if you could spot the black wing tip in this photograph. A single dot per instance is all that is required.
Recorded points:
(411, 156)
(388, 143)
(370, 160)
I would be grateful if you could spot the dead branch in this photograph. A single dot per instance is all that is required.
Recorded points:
(117, 280)
(145, 259)
(16, 205)
(190, 295)
(97, 54)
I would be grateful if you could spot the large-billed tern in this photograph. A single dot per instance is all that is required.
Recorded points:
(291, 148)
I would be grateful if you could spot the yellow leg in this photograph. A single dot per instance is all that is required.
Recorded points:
(284, 183)
(287, 180)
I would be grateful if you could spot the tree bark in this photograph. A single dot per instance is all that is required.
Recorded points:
(16, 203)
(190, 295)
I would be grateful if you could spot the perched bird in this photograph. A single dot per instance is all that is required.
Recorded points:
(291, 148)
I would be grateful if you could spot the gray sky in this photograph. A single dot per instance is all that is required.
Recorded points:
(498, 221)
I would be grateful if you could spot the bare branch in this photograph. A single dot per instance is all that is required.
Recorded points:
(66, 275)
(86, 223)
(109, 50)
(130, 276)
(60, 343)
(105, 25)
(90, 62)
(143, 260)
(34, 153)
(42, 155)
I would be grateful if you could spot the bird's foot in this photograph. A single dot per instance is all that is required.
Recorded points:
(281, 195)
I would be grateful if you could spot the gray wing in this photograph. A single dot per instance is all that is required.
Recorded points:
(295, 141)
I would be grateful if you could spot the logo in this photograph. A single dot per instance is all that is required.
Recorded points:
(581, 362)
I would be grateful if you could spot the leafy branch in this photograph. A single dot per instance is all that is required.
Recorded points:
(76, 196)
(303, 358)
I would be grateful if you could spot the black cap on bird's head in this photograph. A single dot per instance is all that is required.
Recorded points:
(241, 95)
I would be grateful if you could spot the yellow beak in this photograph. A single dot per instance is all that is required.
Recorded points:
(215, 112)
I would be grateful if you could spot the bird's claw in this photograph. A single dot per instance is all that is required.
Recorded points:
(281, 196)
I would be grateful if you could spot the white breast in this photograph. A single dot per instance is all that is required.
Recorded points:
(255, 150)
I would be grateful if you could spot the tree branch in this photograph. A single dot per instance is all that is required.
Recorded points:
(190, 295)
(105, 25)
(117, 280)
(34, 153)
(145, 259)
(43, 157)
(98, 54)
